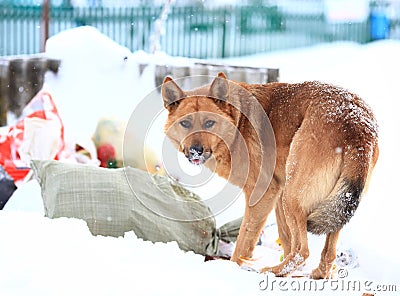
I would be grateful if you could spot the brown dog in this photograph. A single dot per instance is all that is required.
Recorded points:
(326, 147)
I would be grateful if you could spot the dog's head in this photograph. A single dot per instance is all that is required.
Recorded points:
(199, 123)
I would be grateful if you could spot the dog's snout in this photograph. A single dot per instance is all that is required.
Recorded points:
(196, 150)
(197, 154)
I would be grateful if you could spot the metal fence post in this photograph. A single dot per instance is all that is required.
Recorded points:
(45, 25)
(223, 34)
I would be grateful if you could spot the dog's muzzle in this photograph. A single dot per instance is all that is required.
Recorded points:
(197, 155)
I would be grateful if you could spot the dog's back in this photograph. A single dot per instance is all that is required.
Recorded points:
(329, 136)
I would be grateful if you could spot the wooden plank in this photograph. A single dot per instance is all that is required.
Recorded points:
(21, 78)
(237, 73)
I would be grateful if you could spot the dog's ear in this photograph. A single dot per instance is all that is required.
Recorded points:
(219, 88)
(171, 93)
(221, 75)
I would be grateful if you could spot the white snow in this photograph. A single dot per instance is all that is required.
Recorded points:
(96, 77)
(40, 256)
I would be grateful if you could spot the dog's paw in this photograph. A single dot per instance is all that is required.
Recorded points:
(240, 260)
(250, 264)
(288, 266)
(277, 270)
(247, 260)
(318, 274)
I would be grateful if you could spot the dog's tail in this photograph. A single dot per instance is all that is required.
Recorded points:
(335, 211)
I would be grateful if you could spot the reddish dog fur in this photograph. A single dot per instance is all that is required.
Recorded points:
(326, 147)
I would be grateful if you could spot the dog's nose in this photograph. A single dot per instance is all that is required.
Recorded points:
(196, 150)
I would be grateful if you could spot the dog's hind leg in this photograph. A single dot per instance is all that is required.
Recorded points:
(311, 173)
(328, 255)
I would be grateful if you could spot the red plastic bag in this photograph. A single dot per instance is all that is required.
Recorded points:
(40, 126)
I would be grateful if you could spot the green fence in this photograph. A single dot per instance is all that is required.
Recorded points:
(189, 31)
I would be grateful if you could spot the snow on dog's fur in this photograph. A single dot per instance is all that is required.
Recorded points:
(325, 142)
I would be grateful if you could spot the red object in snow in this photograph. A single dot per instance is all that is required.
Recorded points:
(41, 106)
(105, 153)
(16, 173)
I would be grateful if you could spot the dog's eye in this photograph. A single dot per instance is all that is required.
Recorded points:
(185, 123)
(209, 124)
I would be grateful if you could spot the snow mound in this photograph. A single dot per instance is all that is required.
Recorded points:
(97, 78)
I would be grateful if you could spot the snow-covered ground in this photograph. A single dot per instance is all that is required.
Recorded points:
(40, 256)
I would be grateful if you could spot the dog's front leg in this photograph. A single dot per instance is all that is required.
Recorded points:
(248, 236)
(253, 222)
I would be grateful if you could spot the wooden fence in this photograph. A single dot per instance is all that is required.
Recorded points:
(22, 77)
